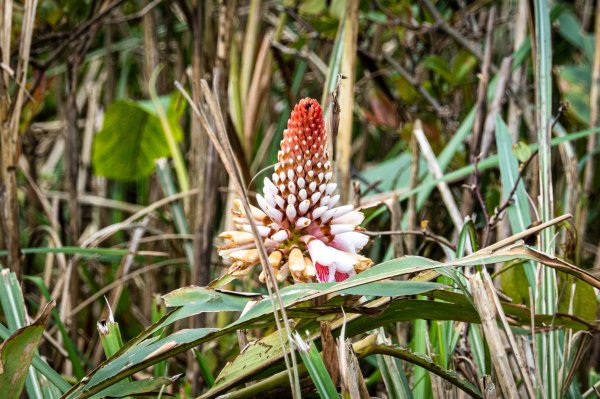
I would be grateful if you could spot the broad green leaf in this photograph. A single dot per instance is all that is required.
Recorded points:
(145, 350)
(391, 288)
(315, 7)
(140, 387)
(521, 314)
(130, 140)
(174, 106)
(16, 354)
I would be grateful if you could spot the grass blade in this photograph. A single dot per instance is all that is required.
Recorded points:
(316, 367)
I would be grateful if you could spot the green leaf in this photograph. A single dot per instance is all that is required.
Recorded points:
(125, 388)
(174, 105)
(316, 368)
(16, 354)
(438, 65)
(207, 300)
(314, 7)
(257, 356)
(570, 30)
(462, 65)
(124, 364)
(99, 254)
(519, 214)
(130, 141)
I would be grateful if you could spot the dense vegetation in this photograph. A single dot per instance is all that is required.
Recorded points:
(464, 132)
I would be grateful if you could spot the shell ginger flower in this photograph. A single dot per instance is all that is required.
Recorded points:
(307, 237)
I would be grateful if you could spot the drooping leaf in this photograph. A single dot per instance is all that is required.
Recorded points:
(16, 354)
(139, 387)
(425, 362)
(258, 355)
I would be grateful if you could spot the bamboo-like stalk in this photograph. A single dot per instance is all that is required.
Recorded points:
(343, 145)
(250, 39)
(499, 356)
(516, 349)
(180, 169)
(546, 294)
(520, 32)
(10, 114)
(588, 176)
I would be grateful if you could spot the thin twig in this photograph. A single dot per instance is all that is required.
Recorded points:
(136, 15)
(522, 169)
(422, 233)
(454, 34)
(436, 171)
(415, 83)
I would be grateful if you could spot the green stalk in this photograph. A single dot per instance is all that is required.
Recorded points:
(181, 225)
(421, 384)
(235, 94)
(250, 39)
(392, 372)
(182, 175)
(110, 336)
(547, 343)
(204, 368)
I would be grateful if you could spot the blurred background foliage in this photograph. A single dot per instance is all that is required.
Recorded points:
(120, 193)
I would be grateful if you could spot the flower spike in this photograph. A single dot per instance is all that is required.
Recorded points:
(307, 237)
